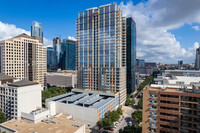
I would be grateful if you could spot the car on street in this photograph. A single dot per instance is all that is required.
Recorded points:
(112, 129)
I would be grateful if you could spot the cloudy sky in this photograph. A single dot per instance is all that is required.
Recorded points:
(167, 30)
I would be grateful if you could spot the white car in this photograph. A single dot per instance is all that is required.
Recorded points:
(115, 126)
(130, 123)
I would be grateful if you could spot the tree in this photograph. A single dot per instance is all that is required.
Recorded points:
(100, 124)
(128, 100)
(114, 116)
(107, 123)
(140, 103)
(119, 111)
(2, 117)
(131, 129)
(137, 115)
(132, 102)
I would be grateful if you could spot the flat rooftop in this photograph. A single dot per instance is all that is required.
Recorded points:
(5, 77)
(186, 80)
(63, 126)
(22, 83)
(84, 98)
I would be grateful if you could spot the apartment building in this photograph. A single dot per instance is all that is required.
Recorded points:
(18, 96)
(171, 109)
(23, 57)
(101, 49)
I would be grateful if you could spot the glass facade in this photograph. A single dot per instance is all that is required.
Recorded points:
(131, 55)
(68, 55)
(51, 58)
(102, 49)
(57, 47)
(36, 30)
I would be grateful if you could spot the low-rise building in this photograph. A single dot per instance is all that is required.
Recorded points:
(18, 96)
(171, 109)
(172, 104)
(58, 124)
(62, 79)
(84, 106)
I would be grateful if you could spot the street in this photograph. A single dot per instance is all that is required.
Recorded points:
(127, 116)
(127, 111)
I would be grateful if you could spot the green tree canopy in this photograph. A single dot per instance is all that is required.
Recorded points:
(140, 103)
(2, 117)
(131, 129)
(137, 115)
(107, 123)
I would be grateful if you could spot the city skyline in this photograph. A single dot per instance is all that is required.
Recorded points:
(176, 36)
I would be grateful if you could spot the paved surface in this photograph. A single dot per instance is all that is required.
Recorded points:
(127, 111)
(127, 116)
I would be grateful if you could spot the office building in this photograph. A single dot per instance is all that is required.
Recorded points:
(37, 31)
(51, 58)
(18, 96)
(197, 59)
(68, 54)
(62, 79)
(57, 46)
(84, 105)
(130, 55)
(24, 57)
(171, 109)
(101, 49)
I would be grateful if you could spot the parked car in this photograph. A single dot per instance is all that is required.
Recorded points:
(130, 122)
(112, 129)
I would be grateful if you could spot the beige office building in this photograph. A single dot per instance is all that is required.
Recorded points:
(23, 57)
(101, 50)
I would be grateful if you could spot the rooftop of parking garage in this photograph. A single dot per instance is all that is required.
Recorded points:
(90, 99)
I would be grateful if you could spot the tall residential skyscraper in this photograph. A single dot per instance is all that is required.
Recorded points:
(68, 54)
(102, 50)
(37, 31)
(24, 57)
(130, 54)
(197, 60)
(57, 46)
(51, 58)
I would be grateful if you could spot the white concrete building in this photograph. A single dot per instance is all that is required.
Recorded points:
(84, 106)
(62, 79)
(18, 97)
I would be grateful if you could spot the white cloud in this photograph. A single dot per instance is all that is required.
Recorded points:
(196, 28)
(154, 19)
(10, 30)
(47, 42)
(72, 38)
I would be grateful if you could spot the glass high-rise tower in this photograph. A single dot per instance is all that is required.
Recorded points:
(37, 31)
(130, 54)
(68, 54)
(102, 50)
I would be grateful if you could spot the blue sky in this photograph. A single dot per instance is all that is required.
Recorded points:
(58, 18)
(165, 28)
